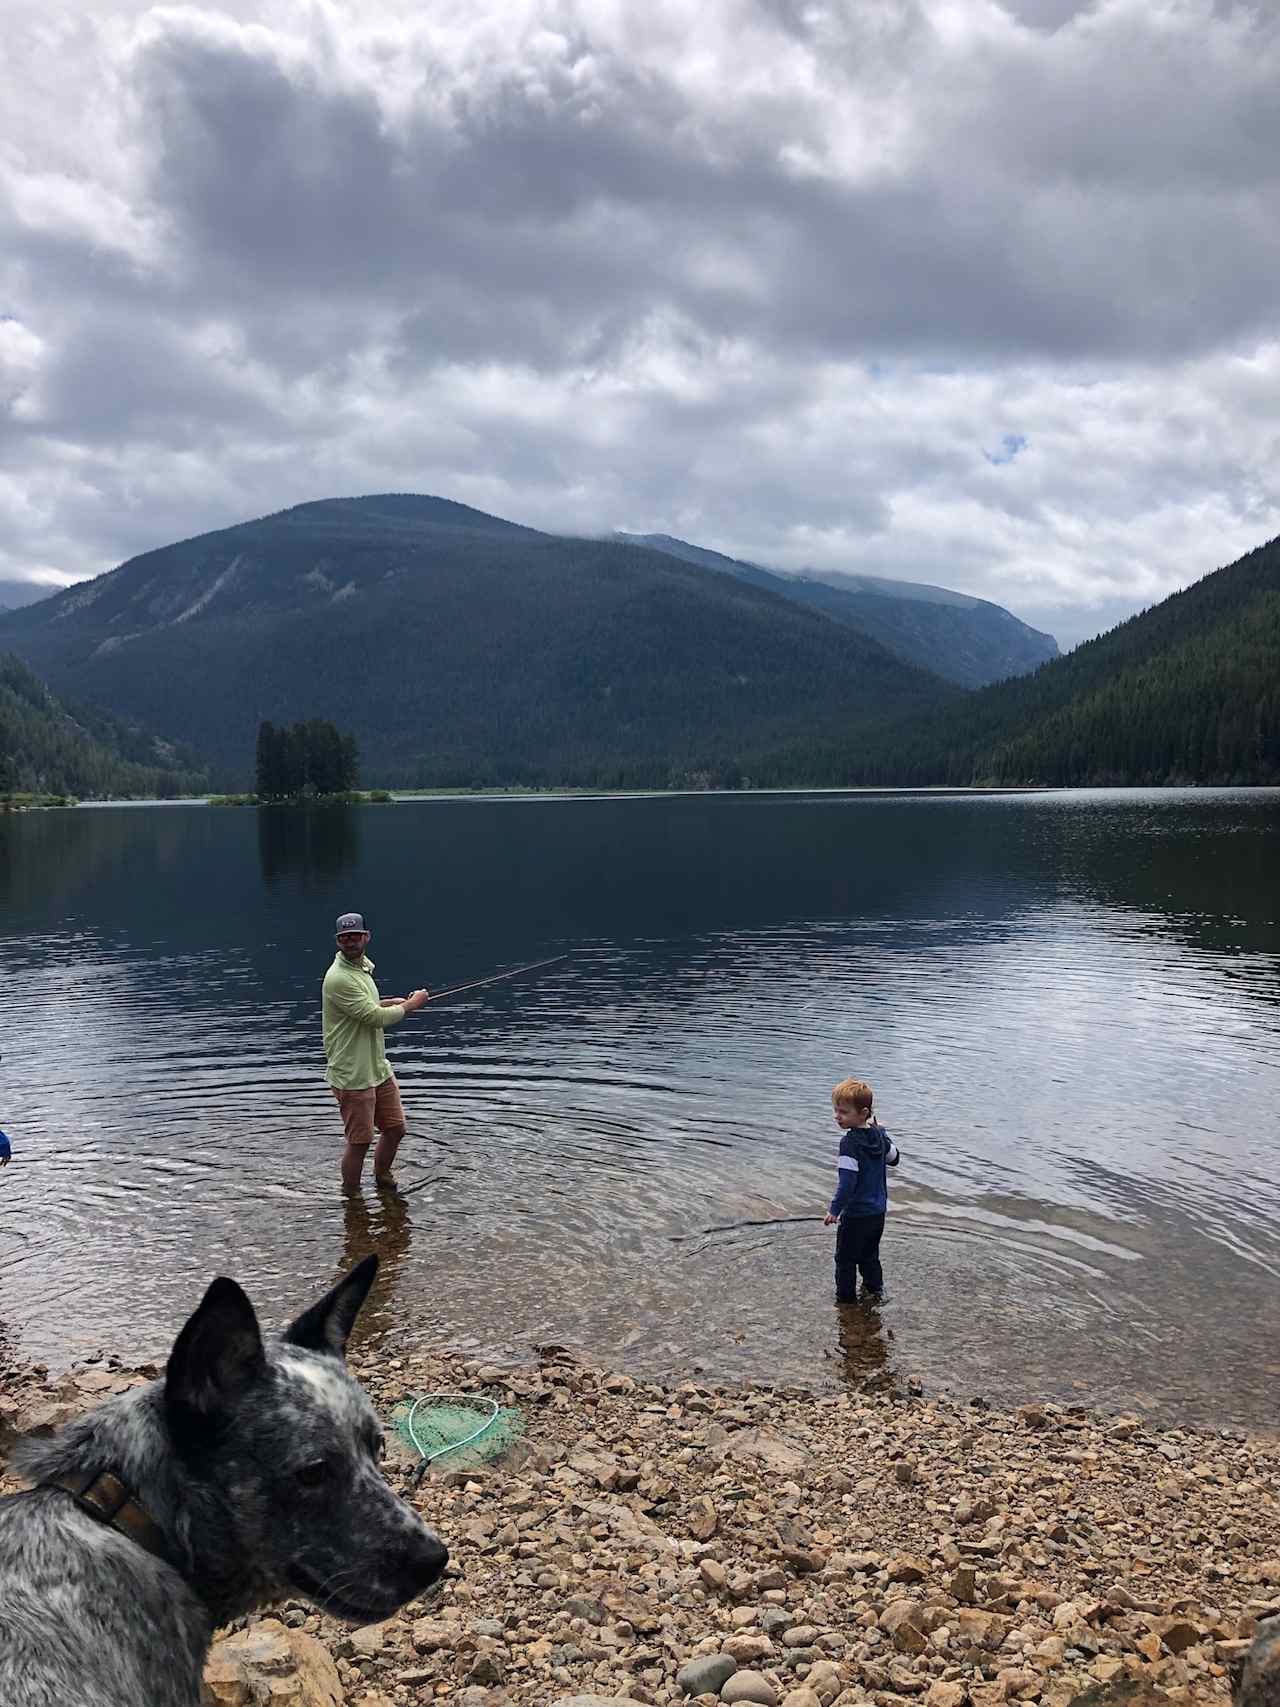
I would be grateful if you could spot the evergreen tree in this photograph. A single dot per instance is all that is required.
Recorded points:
(269, 778)
(324, 757)
(350, 763)
(45, 750)
(293, 761)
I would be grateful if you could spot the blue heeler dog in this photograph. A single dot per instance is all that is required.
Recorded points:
(247, 1474)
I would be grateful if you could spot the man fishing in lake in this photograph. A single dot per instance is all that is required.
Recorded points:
(355, 1017)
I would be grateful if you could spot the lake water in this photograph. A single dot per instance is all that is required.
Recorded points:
(1068, 1005)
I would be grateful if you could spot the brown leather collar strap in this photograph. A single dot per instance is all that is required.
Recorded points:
(105, 1497)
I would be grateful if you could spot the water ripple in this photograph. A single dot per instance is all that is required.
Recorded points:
(1068, 1007)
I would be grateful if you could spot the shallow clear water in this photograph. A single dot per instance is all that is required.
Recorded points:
(1069, 1006)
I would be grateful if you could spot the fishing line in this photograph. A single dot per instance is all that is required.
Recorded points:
(738, 1226)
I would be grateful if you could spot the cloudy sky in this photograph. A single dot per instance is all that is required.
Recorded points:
(980, 292)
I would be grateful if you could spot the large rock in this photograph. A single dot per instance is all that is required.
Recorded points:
(766, 1446)
(824, 1681)
(42, 1416)
(1178, 1634)
(747, 1647)
(904, 1621)
(487, 1670)
(431, 1633)
(269, 1663)
(704, 1519)
(964, 1584)
(943, 1694)
(750, 1686)
(980, 1629)
(593, 1701)
(1123, 1692)
(707, 1674)
(1260, 1674)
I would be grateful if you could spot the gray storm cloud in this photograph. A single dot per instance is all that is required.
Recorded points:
(785, 279)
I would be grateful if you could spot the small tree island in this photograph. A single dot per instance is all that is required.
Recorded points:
(305, 761)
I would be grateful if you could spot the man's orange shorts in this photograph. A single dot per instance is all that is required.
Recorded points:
(378, 1106)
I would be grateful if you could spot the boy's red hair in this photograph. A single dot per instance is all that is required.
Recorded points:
(852, 1093)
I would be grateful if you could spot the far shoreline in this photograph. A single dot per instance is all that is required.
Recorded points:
(932, 791)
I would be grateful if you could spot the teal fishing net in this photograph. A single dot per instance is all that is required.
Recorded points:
(459, 1430)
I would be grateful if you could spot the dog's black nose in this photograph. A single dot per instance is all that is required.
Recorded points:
(429, 1559)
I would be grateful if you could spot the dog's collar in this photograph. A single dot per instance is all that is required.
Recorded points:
(105, 1497)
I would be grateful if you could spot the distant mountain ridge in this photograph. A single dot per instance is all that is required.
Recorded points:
(886, 587)
(463, 649)
(1185, 692)
(15, 594)
(960, 638)
(460, 648)
(46, 749)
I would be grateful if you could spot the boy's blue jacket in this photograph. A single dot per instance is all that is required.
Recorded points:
(862, 1187)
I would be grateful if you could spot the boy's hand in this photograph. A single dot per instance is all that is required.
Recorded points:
(829, 1220)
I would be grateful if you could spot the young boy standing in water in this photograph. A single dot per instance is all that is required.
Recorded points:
(862, 1192)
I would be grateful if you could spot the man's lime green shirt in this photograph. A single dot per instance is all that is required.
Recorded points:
(353, 1026)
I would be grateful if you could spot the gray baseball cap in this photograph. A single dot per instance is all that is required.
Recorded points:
(349, 922)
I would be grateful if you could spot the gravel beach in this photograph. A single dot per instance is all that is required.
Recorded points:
(649, 1542)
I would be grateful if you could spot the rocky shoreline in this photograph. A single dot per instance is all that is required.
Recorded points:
(651, 1542)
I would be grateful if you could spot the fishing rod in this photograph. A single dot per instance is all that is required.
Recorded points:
(737, 1227)
(497, 978)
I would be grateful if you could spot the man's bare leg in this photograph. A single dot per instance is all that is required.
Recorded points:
(353, 1165)
(385, 1155)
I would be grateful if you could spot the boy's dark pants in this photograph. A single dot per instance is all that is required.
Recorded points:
(858, 1247)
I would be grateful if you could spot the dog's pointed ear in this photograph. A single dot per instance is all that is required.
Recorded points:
(218, 1355)
(327, 1326)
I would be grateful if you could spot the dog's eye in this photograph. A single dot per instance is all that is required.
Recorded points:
(312, 1475)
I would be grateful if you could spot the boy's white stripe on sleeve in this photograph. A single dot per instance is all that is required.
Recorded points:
(891, 1155)
(849, 1163)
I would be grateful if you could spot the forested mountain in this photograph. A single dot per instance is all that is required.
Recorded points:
(45, 750)
(458, 648)
(1188, 691)
(962, 639)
